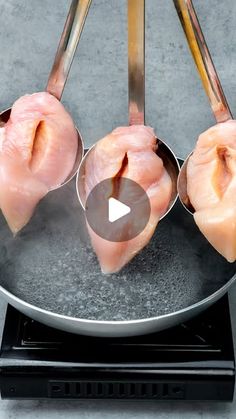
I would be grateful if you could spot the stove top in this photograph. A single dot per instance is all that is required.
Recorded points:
(192, 361)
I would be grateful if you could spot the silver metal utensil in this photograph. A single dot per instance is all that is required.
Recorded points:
(136, 105)
(61, 66)
(209, 77)
(136, 74)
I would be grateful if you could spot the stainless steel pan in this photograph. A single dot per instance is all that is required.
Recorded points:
(50, 273)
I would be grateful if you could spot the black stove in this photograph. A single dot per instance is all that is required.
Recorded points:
(193, 361)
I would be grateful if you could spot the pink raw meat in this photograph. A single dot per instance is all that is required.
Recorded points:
(38, 147)
(211, 187)
(138, 144)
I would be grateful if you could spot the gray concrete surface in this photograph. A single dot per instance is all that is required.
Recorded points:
(96, 95)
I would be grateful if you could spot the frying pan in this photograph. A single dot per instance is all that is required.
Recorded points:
(50, 273)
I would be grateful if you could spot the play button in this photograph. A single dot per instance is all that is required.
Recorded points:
(117, 209)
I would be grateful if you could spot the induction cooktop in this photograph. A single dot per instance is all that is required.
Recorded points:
(192, 361)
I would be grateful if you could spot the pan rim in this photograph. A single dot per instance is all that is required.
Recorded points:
(117, 323)
(217, 293)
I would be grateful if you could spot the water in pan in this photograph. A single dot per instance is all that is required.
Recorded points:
(50, 264)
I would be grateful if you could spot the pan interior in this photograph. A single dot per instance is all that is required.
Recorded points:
(51, 265)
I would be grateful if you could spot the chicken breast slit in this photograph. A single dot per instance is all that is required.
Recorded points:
(211, 187)
(128, 152)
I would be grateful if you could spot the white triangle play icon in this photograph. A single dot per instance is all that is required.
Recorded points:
(116, 209)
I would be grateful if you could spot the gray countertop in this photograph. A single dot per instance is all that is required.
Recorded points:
(96, 95)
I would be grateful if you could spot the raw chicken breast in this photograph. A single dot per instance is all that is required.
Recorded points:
(38, 147)
(211, 187)
(132, 149)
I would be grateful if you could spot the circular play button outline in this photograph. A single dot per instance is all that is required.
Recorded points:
(117, 209)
